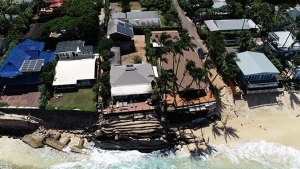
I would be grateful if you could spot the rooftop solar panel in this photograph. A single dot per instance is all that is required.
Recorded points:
(32, 65)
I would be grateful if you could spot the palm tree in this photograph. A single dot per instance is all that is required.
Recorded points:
(215, 44)
(198, 74)
(207, 66)
(165, 82)
(294, 25)
(245, 39)
(186, 40)
(164, 41)
(296, 60)
(226, 66)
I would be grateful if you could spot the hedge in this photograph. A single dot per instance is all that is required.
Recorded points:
(70, 108)
(139, 30)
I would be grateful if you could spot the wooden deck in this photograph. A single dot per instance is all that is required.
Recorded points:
(128, 107)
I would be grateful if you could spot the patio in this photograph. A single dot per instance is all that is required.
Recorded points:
(30, 99)
(131, 106)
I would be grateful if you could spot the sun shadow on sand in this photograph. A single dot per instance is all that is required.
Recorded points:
(259, 100)
(216, 130)
(294, 99)
(230, 132)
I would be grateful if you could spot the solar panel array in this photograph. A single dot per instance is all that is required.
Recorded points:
(32, 65)
(125, 29)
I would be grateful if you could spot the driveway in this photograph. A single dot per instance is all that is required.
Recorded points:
(188, 24)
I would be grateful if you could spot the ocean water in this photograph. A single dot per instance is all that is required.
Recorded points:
(14, 154)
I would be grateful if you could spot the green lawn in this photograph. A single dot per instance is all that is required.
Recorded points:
(82, 99)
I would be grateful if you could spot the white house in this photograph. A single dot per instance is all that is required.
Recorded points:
(131, 81)
(76, 65)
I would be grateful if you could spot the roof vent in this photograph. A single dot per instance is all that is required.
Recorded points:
(129, 68)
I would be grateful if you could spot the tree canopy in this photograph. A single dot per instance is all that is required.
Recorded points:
(80, 20)
(77, 8)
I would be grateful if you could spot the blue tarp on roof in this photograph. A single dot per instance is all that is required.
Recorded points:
(9, 69)
(33, 45)
(26, 50)
(34, 54)
(47, 56)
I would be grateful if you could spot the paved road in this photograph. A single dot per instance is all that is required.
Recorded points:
(188, 24)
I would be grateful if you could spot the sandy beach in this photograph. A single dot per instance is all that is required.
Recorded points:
(271, 117)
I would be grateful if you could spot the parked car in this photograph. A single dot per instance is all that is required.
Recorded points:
(201, 53)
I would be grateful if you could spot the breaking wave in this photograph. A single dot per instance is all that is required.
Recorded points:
(242, 154)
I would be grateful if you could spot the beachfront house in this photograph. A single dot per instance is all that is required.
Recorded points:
(231, 25)
(131, 87)
(191, 97)
(283, 43)
(75, 66)
(23, 65)
(131, 81)
(257, 73)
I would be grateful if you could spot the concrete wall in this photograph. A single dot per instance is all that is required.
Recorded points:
(14, 123)
(59, 119)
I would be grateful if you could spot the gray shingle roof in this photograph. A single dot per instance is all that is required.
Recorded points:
(72, 46)
(253, 63)
(124, 75)
(118, 26)
(118, 15)
(142, 15)
(86, 49)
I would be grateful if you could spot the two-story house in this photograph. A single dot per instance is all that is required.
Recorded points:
(23, 65)
(283, 43)
(257, 73)
(131, 87)
(190, 96)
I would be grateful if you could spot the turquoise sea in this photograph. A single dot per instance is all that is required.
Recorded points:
(14, 154)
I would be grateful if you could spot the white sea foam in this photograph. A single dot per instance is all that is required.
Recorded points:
(260, 153)
(242, 155)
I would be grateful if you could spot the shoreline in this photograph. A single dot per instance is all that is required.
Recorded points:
(271, 117)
